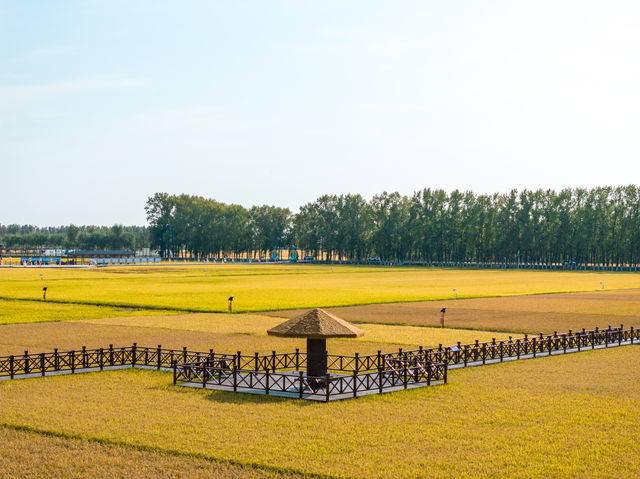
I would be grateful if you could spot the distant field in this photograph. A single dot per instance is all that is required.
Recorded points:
(273, 287)
(222, 332)
(19, 311)
(568, 416)
(531, 314)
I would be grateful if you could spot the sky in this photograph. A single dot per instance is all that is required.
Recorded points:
(103, 104)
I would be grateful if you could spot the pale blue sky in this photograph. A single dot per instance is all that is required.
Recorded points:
(104, 103)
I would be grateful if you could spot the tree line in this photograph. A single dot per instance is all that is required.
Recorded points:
(116, 237)
(599, 225)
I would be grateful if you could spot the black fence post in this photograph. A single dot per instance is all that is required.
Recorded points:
(297, 359)
(446, 369)
(327, 386)
(42, 368)
(379, 359)
(273, 360)
(301, 382)
(631, 335)
(564, 344)
(101, 360)
(26, 362)
(267, 375)
(466, 354)
(159, 357)
(593, 339)
(501, 350)
(56, 360)
(620, 335)
(235, 379)
(484, 353)
(518, 348)
(404, 372)
(184, 354)
(175, 372)
(526, 344)
(356, 361)
(111, 354)
(134, 354)
(379, 379)
(11, 366)
(256, 361)
(84, 357)
(355, 380)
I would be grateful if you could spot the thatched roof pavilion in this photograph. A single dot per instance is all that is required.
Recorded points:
(316, 325)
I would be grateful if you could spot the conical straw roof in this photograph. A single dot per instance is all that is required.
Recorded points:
(316, 324)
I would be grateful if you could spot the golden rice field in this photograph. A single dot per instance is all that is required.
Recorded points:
(20, 311)
(273, 287)
(531, 314)
(568, 416)
(25, 454)
(564, 416)
(223, 333)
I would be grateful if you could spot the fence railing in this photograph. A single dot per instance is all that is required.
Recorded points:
(29, 364)
(395, 374)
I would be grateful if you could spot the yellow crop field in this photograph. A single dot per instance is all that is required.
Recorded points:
(523, 314)
(536, 418)
(25, 454)
(13, 311)
(221, 332)
(271, 287)
(528, 419)
(246, 324)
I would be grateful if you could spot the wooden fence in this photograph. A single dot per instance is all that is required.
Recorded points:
(392, 376)
(275, 372)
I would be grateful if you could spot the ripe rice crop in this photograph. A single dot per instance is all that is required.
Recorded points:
(26, 454)
(19, 311)
(564, 416)
(272, 287)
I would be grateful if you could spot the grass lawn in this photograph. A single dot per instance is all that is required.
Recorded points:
(568, 416)
(271, 287)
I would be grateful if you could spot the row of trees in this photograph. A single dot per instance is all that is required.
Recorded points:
(585, 225)
(597, 225)
(74, 237)
(204, 227)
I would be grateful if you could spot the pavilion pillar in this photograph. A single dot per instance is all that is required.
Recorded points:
(316, 357)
